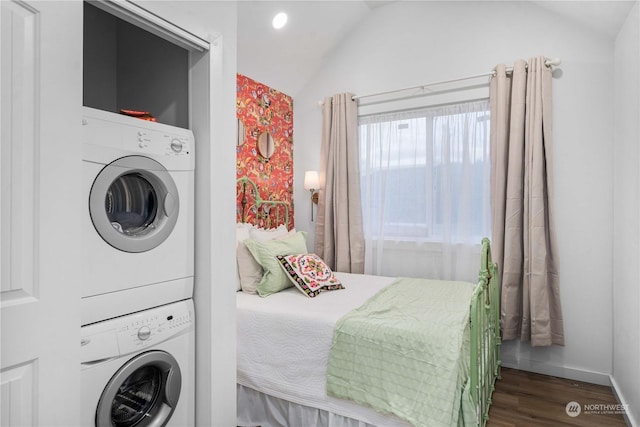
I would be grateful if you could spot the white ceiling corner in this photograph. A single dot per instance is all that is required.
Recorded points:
(374, 4)
(603, 16)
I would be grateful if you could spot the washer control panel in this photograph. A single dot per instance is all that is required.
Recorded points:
(135, 332)
(146, 329)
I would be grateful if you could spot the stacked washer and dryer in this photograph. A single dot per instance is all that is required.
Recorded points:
(138, 323)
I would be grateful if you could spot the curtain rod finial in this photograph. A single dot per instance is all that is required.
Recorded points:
(553, 62)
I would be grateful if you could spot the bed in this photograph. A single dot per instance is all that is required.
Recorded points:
(376, 351)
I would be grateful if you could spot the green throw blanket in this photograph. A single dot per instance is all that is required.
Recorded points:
(406, 351)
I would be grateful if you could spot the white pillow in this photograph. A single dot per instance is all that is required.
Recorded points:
(249, 271)
(244, 225)
(262, 234)
(242, 234)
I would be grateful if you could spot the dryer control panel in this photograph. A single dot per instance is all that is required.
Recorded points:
(135, 332)
(159, 143)
(108, 135)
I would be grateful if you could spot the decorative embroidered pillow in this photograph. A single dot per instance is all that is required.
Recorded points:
(309, 273)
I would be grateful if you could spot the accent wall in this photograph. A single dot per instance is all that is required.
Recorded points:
(264, 153)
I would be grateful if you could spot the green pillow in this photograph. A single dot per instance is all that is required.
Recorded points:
(265, 253)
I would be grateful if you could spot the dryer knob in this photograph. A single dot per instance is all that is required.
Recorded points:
(176, 145)
(144, 333)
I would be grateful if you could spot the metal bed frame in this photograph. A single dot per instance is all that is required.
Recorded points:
(484, 335)
(261, 208)
(484, 326)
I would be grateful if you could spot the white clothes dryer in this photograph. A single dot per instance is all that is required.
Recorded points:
(139, 369)
(139, 225)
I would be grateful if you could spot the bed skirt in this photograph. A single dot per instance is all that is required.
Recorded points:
(259, 409)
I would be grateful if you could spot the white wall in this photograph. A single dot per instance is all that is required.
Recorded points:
(405, 44)
(213, 100)
(626, 225)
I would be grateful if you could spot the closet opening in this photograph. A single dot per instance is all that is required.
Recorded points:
(136, 64)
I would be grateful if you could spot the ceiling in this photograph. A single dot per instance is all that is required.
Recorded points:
(312, 30)
(603, 16)
(286, 59)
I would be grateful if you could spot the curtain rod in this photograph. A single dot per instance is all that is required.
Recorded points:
(548, 63)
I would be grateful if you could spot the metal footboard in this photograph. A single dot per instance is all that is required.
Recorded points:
(485, 335)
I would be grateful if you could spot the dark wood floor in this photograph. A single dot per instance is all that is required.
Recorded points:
(527, 399)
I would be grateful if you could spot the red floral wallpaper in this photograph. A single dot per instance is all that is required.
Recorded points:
(261, 108)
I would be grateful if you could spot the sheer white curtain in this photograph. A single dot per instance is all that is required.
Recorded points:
(425, 179)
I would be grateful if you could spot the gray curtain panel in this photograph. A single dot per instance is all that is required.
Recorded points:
(523, 234)
(339, 236)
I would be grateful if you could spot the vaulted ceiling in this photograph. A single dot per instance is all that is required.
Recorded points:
(286, 59)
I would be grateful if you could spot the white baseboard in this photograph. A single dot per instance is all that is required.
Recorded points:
(631, 421)
(558, 371)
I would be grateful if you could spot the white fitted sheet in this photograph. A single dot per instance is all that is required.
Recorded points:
(283, 344)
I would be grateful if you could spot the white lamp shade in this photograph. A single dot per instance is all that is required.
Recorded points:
(311, 180)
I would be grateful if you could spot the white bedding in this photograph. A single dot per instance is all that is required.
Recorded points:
(283, 344)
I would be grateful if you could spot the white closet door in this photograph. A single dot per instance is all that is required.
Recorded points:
(40, 208)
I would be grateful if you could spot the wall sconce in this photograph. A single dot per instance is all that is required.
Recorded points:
(312, 183)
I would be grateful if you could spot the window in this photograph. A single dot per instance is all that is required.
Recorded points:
(425, 174)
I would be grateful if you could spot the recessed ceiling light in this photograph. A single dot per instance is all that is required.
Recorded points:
(279, 20)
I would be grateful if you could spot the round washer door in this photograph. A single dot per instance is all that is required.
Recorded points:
(143, 393)
(134, 204)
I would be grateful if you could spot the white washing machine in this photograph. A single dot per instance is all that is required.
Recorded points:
(138, 370)
(138, 229)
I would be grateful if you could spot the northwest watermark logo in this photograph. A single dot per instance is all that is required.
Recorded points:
(573, 409)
